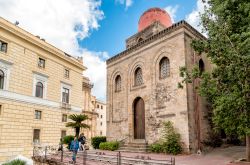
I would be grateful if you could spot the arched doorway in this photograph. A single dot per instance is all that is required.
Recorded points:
(139, 118)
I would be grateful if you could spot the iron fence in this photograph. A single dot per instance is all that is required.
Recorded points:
(60, 155)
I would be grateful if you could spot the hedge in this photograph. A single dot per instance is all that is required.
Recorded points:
(113, 145)
(95, 141)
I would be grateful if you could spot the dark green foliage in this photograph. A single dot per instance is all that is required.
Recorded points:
(156, 147)
(67, 139)
(170, 142)
(214, 140)
(16, 162)
(227, 87)
(95, 141)
(113, 145)
(77, 123)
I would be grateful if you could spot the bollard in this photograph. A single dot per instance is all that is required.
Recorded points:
(61, 152)
(84, 157)
(45, 153)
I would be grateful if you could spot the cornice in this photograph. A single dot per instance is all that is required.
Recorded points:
(174, 27)
(27, 36)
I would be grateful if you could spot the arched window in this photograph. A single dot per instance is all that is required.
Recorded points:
(1, 79)
(118, 83)
(201, 66)
(138, 77)
(39, 89)
(164, 68)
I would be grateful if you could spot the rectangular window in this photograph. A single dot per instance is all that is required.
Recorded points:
(66, 73)
(97, 105)
(38, 114)
(36, 135)
(101, 123)
(101, 116)
(63, 133)
(64, 118)
(3, 46)
(1, 109)
(100, 132)
(41, 62)
(65, 95)
(101, 107)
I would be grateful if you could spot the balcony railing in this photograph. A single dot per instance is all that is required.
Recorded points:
(65, 105)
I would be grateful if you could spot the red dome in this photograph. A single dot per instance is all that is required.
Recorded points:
(152, 15)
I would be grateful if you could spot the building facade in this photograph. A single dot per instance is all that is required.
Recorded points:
(40, 86)
(142, 84)
(89, 109)
(100, 108)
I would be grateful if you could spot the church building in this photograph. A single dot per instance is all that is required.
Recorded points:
(142, 85)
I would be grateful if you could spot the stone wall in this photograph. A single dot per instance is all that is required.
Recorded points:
(163, 100)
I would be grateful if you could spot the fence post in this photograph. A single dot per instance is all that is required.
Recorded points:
(61, 152)
(84, 157)
(33, 150)
(45, 153)
(172, 161)
(119, 158)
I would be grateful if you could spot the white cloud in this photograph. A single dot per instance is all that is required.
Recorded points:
(172, 11)
(194, 17)
(127, 3)
(96, 71)
(55, 21)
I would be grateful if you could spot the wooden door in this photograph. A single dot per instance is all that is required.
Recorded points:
(139, 119)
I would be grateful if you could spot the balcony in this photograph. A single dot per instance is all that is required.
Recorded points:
(65, 106)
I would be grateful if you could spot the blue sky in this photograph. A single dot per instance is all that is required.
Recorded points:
(120, 22)
(93, 29)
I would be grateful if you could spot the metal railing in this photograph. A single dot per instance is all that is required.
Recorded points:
(58, 154)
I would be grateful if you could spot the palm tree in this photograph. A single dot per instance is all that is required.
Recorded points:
(77, 122)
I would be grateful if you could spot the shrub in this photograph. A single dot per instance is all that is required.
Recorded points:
(156, 147)
(67, 139)
(16, 162)
(170, 141)
(95, 141)
(113, 145)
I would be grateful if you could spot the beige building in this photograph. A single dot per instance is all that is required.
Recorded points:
(142, 84)
(101, 123)
(89, 109)
(40, 86)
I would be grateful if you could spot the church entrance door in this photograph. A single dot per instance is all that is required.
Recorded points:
(139, 119)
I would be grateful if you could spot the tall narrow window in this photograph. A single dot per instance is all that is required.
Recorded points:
(64, 118)
(164, 68)
(118, 83)
(65, 95)
(201, 66)
(39, 89)
(41, 63)
(63, 133)
(138, 77)
(36, 135)
(66, 73)
(1, 79)
(38, 114)
(3, 46)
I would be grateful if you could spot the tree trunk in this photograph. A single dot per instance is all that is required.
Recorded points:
(77, 132)
(248, 147)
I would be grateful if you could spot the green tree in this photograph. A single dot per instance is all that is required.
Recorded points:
(227, 87)
(77, 123)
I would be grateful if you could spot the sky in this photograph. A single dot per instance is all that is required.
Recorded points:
(93, 29)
